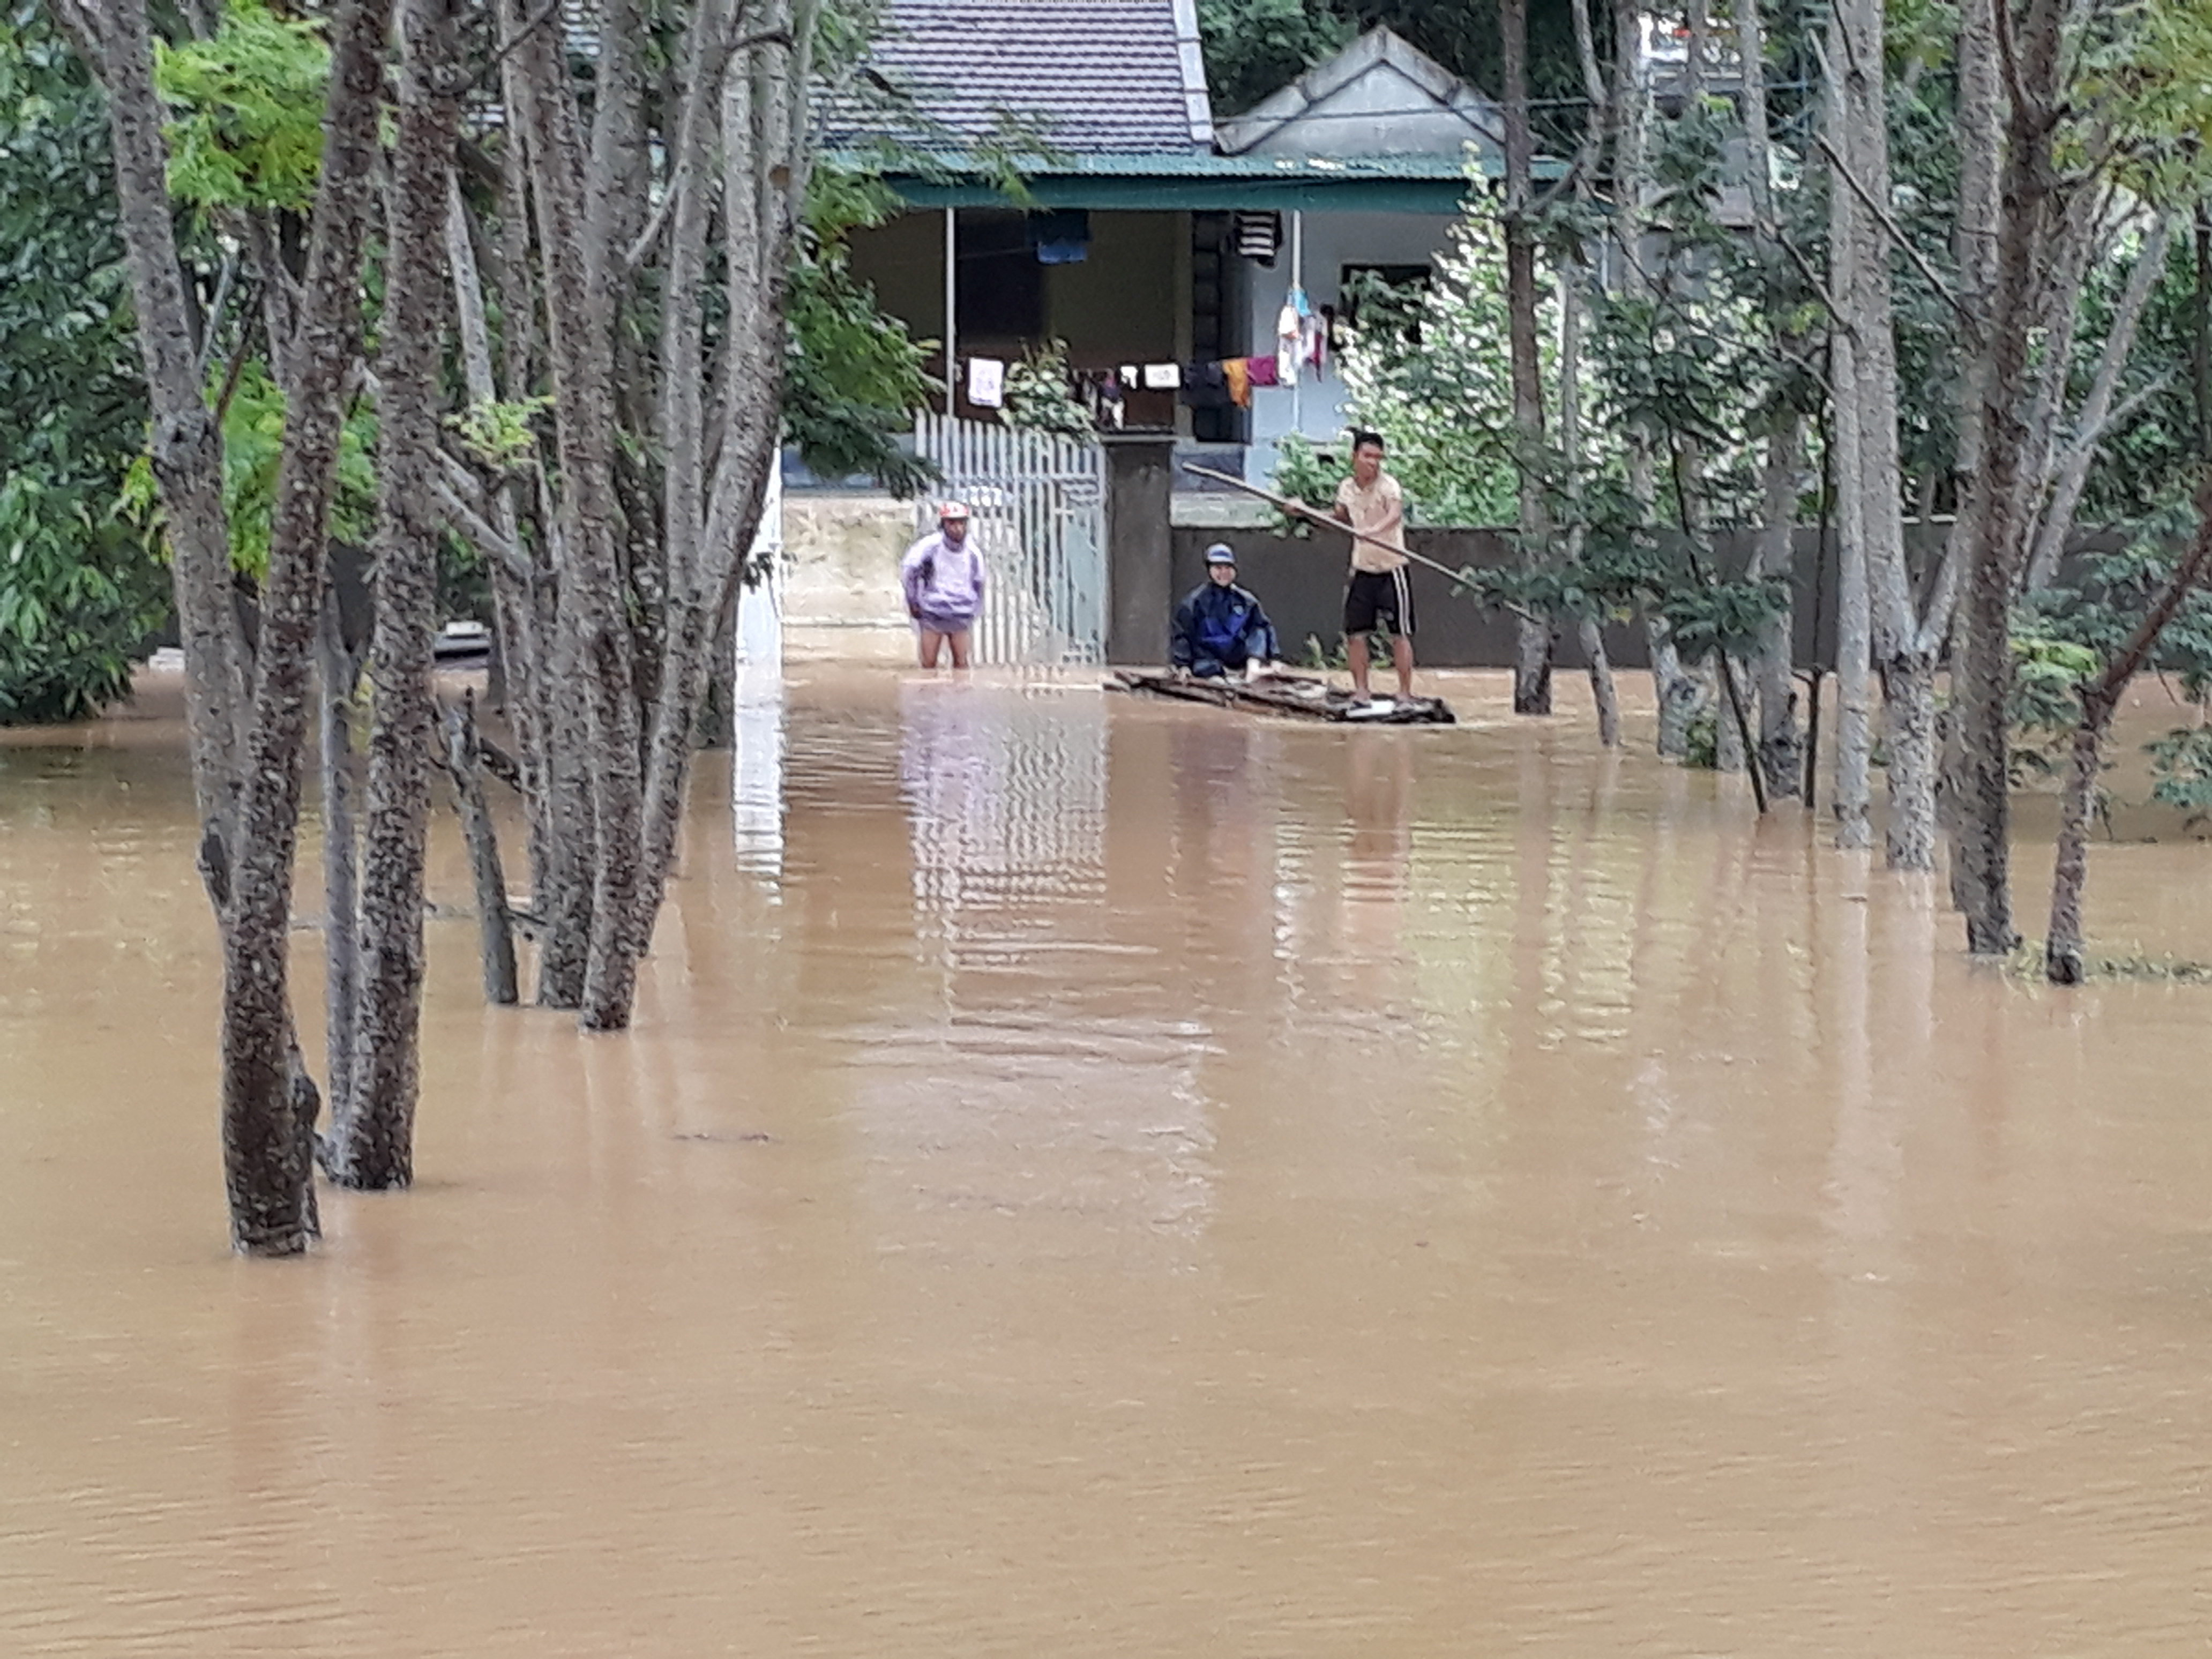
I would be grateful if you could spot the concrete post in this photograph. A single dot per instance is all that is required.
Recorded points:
(1140, 478)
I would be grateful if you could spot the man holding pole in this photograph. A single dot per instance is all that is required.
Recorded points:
(1370, 503)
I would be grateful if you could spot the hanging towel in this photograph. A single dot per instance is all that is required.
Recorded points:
(1238, 374)
(1258, 234)
(1260, 371)
(1132, 376)
(986, 382)
(1162, 377)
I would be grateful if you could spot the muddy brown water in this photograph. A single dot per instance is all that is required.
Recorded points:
(1100, 1178)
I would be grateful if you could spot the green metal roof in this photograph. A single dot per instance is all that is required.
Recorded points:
(1425, 183)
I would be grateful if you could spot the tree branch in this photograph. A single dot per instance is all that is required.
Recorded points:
(538, 20)
(1970, 325)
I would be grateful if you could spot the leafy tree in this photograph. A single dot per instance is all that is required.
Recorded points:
(1256, 47)
(80, 588)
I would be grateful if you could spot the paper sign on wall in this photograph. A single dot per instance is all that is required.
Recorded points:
(1162, 377)
(986, 382)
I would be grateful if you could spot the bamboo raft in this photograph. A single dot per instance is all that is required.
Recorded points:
(1300, 697)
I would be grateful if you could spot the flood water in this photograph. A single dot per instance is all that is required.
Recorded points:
(1101, 1178)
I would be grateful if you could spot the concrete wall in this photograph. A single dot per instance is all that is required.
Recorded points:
(1302, 582)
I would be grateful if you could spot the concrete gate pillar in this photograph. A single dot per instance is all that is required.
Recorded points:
(1140, 478)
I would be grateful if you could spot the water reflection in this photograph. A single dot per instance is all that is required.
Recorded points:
(1095, 1177)
(757, 772)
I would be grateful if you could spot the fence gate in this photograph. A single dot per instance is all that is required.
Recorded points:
(1040, 518)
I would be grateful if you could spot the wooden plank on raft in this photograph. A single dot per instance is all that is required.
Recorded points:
(1297, 696)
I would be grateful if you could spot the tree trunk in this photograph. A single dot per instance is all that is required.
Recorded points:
(1984, 679)
(186, 443)
(1781, 749)
(1908, 692)
(1602, 695)
(593, 607)
(2055, 524)
(1859, 101)
(1533, 637)
(1974, 251)
(494, 919)
(373, 1144)
(338, 669)
(2061, 951)
(1854, 621)
(267, 1164)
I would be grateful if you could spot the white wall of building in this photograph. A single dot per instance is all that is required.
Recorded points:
(1331, 241)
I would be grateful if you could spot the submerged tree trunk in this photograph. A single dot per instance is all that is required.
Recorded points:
(1603, 696)
(1781, 748)
(267, 1159)
(2063, 962)
(494, 918)
(1854, 664)
(1533, 637)
(1983, 681)
(1908, 696)
(592, 606)
(372, 1143)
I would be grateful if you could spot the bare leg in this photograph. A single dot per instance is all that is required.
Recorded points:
(959, 648)
(1355, 657)
(1401, 658)
(930, 644)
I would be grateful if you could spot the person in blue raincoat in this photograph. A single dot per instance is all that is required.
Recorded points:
(1220, 627)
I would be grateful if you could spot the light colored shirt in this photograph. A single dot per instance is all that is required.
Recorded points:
(1378, 510)
(941, 579)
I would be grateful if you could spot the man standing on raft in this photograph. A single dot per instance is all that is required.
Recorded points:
(1371, 504)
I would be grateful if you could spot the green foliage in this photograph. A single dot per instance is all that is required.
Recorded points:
(1701, 740)
(1037, 398)
(2045, 705)
(499, 434)
(1253, 47)
(253, 444)
(1306, 473)
(78, 597)
(853, 375)
(249, 101)
(2181, 772)
(79, 590)
(1725, 616)
(2064, 636)
(1431, 373)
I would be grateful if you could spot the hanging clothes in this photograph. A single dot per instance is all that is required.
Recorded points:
(1205, 386)
(1260, 371)
(1237, 373)
(1258, 235)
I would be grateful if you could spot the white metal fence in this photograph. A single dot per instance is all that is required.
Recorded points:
(1040, 516)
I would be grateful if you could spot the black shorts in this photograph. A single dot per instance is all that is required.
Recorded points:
(1379, 598)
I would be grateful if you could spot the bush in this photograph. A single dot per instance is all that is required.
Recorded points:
(78, 597)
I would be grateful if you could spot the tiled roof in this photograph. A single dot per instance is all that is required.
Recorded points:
(1100, 76)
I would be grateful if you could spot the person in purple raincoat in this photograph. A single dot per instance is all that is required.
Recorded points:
(943, 576)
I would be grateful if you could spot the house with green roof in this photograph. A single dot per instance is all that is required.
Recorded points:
(1152, 233)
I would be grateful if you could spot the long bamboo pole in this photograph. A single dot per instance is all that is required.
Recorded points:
(1299, 509)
